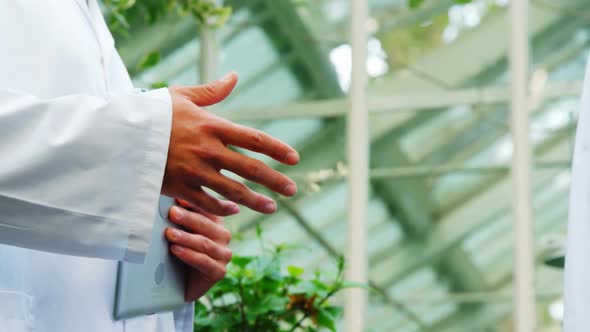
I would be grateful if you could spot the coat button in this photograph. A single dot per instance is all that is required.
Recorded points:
(159, 274)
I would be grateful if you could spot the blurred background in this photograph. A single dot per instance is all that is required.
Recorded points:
(440, 235)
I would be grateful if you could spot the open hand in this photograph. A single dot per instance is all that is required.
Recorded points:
(199, 150)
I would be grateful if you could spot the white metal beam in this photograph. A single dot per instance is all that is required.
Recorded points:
(492, 313)
(524, 269)
(358, 163)
(395, 102)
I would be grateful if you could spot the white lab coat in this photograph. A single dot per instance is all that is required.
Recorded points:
(577, 263)
(82, 157)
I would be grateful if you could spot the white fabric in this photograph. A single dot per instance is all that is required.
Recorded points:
(82, 158)
(577, 264)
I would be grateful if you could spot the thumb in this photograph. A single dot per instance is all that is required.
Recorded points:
(213, 92)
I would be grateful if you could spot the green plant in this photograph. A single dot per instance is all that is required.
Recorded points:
(122, 14)
(260, 294)
(417, 3)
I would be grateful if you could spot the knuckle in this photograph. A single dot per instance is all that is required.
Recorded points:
(228, 255)
(212, 248)
(187, 170)
(226, 236)
(257, 138)
(206, 153)
(239, 195)
(220, 272)
(194, 196)
(192, 173)
(197, 221)
(210, 126)
(191, 221)
(192, 258)
(234, 191)
(218, 208)
(206, 245)
(254, 169)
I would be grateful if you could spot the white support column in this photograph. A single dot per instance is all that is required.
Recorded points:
(207, 54)
(358, 161)
(524, 278)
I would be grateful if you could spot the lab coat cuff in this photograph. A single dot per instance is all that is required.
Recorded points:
(151, 174)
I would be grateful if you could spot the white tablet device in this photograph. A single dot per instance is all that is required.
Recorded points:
(157, 285)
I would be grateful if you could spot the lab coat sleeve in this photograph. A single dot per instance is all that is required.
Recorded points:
(81, 175)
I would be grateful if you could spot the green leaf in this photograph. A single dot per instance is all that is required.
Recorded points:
(415, 3)
(341, 264)
(334, 311)
(295, 271)
(226, 285)
(236, 236)
(201, 309)
(159, 85)
(320, 285)
(221, 15)
(310, 288)
(126, 4)
(290, 247)
(326, 319)
(241, 261)
(301, 3)
(271, 303)
(118, 19)
(149, 60)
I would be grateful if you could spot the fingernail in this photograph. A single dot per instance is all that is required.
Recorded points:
(175, 234)
(178, 213)
(233, 209)
(270, 207)
(290, 190)
(176, 249)
(292, 158)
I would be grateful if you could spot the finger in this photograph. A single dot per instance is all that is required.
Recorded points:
(199, 197)
(210, 269)
(199, 243)
(257, 141)
(238, 192)
(188, 206)
(210, 93)
(194, 290)
(257, 171)
(199, 224)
